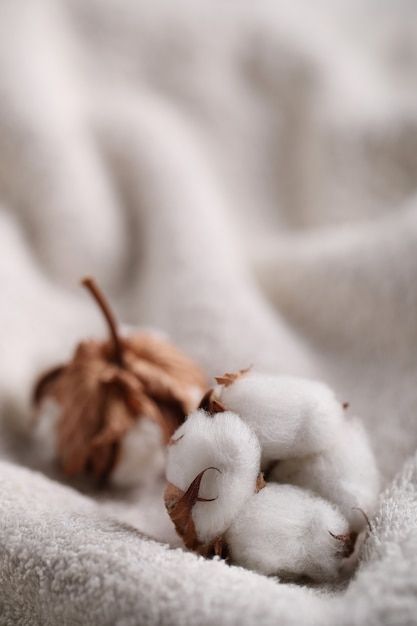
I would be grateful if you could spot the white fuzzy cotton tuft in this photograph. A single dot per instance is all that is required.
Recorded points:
(142, 455)
(284, 530)
(291, 416)
(222, 441)
(142, 451)
(44, 431)
(346, 473)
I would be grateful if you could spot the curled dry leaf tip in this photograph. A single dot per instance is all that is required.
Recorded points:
(348, 541)
(229, 378)
(180, 505)
(368, 523)
(210, 404)
(194, 488)
(260, 482)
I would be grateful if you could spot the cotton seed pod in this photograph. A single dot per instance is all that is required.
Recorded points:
(111, 410)
(223, 455)
(345, 474)
(292, 417)
(291, 533)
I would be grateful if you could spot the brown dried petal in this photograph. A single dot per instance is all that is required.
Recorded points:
(210, 404)
(230, 377)
(260, 482)
(163, 354)
(42, 386)
(180, 504)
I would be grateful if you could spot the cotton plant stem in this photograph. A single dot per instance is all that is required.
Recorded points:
(90, 284)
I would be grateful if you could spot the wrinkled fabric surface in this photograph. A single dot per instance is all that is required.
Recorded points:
(243, 177)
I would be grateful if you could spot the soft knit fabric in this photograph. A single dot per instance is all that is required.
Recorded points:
(242, 176)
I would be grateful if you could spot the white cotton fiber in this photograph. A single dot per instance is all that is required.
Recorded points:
(142, 451)
(346, 473)
(284, 530)
(291, 416)
(142, 455)
(222, 441)
(44, 431)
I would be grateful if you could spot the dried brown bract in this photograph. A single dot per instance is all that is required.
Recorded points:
(109, 385)
(229, 378)
(210, 404)
(179, 505)
(260, 482)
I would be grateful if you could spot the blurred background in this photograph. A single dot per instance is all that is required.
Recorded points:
(304, 111)
(240, 174)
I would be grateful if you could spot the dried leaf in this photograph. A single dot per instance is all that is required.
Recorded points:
(230, 377)
(260, 482)
(43, 383)
(180, 504)
(210, 404)
(108, 385)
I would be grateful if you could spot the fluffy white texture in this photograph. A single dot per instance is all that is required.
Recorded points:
(291, 416)
(284, 530)
(346, 473)
(225, 442)
(142, 455)
(44, 432)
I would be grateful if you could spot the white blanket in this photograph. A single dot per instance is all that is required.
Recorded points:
(242, 176)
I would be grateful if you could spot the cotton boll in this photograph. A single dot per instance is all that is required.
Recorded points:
(106, 387)
(291, 416)
(346, 473)
(220, 441)
(284, 530)
(142, 455)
